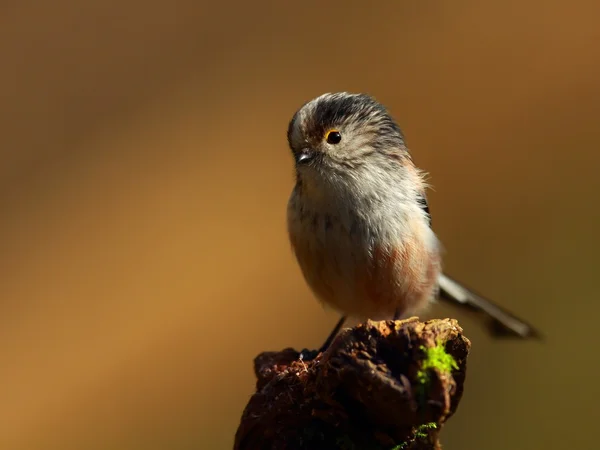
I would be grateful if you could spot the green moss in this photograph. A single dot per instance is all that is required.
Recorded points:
(421, 431)
(435, 358)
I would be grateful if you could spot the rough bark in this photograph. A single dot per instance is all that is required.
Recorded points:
(380, 385)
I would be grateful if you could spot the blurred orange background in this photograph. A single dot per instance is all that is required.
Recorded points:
(144, 175)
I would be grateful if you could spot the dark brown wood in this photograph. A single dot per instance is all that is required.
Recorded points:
(380, 385)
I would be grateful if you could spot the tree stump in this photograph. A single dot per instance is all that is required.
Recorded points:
(388, 385)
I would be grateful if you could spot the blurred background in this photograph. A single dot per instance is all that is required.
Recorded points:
(144, 175)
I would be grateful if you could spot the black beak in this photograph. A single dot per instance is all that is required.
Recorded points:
(304, 156)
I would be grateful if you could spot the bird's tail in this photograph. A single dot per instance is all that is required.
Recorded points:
(503, 323)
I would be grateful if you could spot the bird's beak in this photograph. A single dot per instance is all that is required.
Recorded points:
(305, 155)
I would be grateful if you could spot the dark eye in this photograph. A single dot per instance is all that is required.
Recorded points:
(333, 137)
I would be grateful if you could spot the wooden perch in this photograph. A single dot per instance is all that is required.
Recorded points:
(381, 386)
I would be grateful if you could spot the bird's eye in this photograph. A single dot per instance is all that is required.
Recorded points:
(333, 137)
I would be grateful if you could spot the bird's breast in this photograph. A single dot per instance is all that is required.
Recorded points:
(366, 256)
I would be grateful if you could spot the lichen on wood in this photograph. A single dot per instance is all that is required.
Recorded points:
(388, 385)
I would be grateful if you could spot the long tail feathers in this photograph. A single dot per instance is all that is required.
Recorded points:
(503, 323)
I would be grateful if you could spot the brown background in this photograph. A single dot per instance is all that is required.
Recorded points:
(143, 180)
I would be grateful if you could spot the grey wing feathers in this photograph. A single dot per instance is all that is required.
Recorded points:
(422, 199)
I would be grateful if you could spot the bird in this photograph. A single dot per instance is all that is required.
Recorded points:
(359, 222)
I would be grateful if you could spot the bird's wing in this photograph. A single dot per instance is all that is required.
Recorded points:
(422, 199)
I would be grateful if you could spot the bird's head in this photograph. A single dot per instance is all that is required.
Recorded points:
(340, 132)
